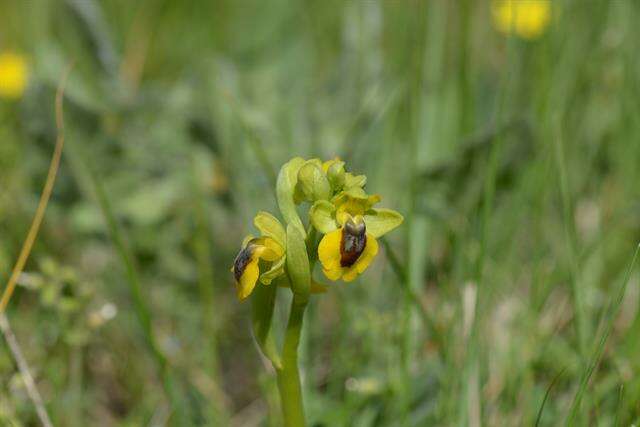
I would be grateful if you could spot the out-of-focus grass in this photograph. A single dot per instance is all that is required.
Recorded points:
(182, 112)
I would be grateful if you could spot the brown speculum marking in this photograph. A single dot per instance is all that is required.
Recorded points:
(354, 240)
(241, 262)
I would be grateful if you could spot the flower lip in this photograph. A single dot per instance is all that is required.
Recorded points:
(241, 261)
(353, 242)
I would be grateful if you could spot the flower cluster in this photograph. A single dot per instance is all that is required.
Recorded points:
(342, 230)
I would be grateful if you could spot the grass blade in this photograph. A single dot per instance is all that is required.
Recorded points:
(613, 309)
(44, 198)
(546, 396)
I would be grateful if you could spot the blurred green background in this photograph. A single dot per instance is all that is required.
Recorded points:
(515, 160)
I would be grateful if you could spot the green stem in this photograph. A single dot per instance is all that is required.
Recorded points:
(288, 375)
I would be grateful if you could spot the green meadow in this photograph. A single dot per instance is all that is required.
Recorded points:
(509, 296)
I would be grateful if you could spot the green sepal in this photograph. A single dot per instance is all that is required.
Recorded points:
(382, 221)
(263, 303)
(276, 270)
(285, 189)
(322, 216)
(352, 181)
(298, 262)
(312, 183)
(270, 226)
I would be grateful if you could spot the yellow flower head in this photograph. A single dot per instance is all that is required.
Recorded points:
(266, 253)
(347, 251)
(246, 266)
(351, 226)
(525, 18)
(13, 75)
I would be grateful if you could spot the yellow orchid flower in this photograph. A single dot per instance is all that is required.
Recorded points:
(13, 75)
(266, 252)
(527, 19)
(351, 226)
(346, 252)
(246, 266)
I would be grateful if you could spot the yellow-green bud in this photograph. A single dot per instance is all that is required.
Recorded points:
(312, 183)
(336, 175)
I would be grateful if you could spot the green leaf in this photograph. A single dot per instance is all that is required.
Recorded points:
(381, 221)
(312, 182)
(270, 226)
(285, 188)
(298, 262)
(322, 218)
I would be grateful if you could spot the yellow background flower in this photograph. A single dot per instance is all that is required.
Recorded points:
(13, 75)
(526, 18)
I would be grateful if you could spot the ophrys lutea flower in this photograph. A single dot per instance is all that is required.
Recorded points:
(265, 253)
(351, 226)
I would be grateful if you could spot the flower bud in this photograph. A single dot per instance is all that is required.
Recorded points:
(336, 175)
(312, 183)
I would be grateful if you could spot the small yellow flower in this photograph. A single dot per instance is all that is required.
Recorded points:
(13, 75)
(351, 226)
(246, 266)
(525, 18)
(266, 253)
(347, 251)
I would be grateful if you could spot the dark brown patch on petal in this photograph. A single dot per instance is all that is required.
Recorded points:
(241, 262)
(354, 240)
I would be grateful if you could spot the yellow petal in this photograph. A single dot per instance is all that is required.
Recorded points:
(534, 21)
(248, 279)
(13, 75)
(267, 248)
(350, 275)
(527, 18)
(333, 274)
(370, 251)
(329, 250)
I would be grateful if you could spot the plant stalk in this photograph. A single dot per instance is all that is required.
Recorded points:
(288, 375)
